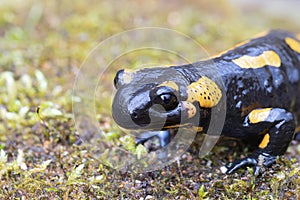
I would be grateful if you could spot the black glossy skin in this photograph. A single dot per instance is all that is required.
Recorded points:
(245, 90)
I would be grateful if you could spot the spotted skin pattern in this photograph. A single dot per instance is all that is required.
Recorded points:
(260, 83)
(205, 92)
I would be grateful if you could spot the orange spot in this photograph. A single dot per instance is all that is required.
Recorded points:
(205, 91)
(293, 44)
(264, 143)
(128, 75)
(261, 34)
(199, 129)
(170, 84)
(266, 58)
(259, 115)
(235, 46)
(264, 33)
(191, 109)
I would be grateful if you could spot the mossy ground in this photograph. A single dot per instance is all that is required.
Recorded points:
(43, 44)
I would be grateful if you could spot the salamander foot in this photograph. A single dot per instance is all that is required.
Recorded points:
(255, 161)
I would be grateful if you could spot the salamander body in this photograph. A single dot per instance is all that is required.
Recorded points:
(256, 84)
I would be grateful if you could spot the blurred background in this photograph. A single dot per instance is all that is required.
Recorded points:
(56, 36)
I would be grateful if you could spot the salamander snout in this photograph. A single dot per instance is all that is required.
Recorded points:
(151, 99)
(146, 108)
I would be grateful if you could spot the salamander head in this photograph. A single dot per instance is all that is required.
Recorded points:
(158, 98)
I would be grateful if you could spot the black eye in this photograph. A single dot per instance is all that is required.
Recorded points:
(118, 80)
(168, 101)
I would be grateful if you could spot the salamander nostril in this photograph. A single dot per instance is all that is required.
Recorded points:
(140, 118)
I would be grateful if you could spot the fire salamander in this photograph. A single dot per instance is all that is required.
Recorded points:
(260, 85)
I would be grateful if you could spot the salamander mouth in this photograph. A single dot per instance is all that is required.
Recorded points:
(156, 117)
(178, 117)
(172, 118)
(160, 118)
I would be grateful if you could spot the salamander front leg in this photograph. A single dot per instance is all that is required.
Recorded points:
(278, 126)
(163, 136)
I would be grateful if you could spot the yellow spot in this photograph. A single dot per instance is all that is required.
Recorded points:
(190, 109)
(264, 143)
(128, 75)
(297, 130)
(205, 91)
(199, 129)
(176, 126)
(298, 36)
(264, 33)
(170, 84)
(266, 58)
(261, 34)
(235, 46)
(259, 115)
(294, 44)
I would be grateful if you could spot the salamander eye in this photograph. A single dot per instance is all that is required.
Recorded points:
(118, 80)
(168, 101)
(123, 77)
